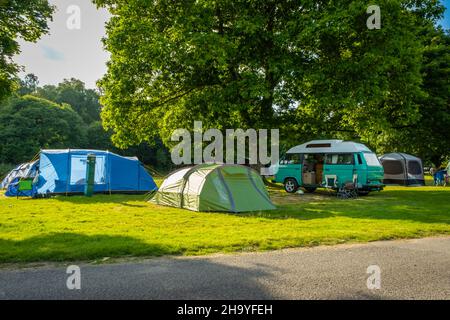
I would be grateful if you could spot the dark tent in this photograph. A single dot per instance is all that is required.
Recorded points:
(402, 169)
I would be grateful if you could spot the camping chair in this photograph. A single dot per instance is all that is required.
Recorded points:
(349, 190)
(23, 186)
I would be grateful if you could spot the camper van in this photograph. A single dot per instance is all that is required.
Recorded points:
(329, 164)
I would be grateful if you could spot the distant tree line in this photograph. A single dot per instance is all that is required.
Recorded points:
(63, 116)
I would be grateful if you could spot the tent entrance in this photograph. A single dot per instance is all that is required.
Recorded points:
(78, 167)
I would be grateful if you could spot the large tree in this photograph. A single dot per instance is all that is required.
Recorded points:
(26, 19)
(429, 136)
(309, 67)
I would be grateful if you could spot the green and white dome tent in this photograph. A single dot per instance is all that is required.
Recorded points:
(214, 187)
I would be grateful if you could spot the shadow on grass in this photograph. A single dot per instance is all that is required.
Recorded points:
(427, 206)
(122, 199)
(72, 246)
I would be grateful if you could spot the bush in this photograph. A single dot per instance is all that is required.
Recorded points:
(5, 168)
(28, 124)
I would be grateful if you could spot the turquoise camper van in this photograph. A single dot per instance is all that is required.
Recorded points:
(329, 164)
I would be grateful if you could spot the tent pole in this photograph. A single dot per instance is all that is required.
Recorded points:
(139, 174)
(230, 195)
(405, 173)
(68, 171)
(109, 171)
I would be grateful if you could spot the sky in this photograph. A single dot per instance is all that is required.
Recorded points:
(445, 22)
(75, 50)
(68, 51)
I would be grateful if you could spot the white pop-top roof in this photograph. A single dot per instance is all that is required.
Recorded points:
(329, 146)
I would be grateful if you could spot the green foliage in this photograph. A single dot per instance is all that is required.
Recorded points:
(26, 19)
(28, 85)
(430, 136)
(84, 102)
(28, 124)
(5, 168)
(73, 91)
(312, 68)
(98, 137)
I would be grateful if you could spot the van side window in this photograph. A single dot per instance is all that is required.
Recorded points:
(331, 158)
(339, 158)
(292, 158)
(359, 159)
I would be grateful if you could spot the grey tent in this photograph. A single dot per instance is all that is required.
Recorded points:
(402, 169)
(24, 170)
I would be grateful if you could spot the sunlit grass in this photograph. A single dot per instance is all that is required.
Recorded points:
(80, 228)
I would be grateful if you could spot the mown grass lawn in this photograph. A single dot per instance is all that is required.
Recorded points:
(79, 228)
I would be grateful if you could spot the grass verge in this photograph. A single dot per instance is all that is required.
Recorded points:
(80, 228)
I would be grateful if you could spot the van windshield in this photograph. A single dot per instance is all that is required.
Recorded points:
(371, 159)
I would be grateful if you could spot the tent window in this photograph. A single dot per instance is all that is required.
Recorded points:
(78, 170)
(414, 167)
(392, 167)
(100, 170)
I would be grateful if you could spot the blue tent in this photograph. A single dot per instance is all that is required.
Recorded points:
(64, 172)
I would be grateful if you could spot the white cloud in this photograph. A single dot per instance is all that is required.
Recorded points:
(51, 53)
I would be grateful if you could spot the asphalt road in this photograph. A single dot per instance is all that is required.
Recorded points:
(410, 269)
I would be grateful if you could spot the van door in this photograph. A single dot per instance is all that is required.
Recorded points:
(375, 171)
(339, 166)
(290, 166)
(360, 170)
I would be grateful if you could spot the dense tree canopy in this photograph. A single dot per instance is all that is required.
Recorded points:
(73, 91)
(63, 116)
(311, 68)
(28, 124)
(26, 19)
(429, 137)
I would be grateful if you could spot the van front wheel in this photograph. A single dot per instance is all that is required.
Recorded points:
(290, 185)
